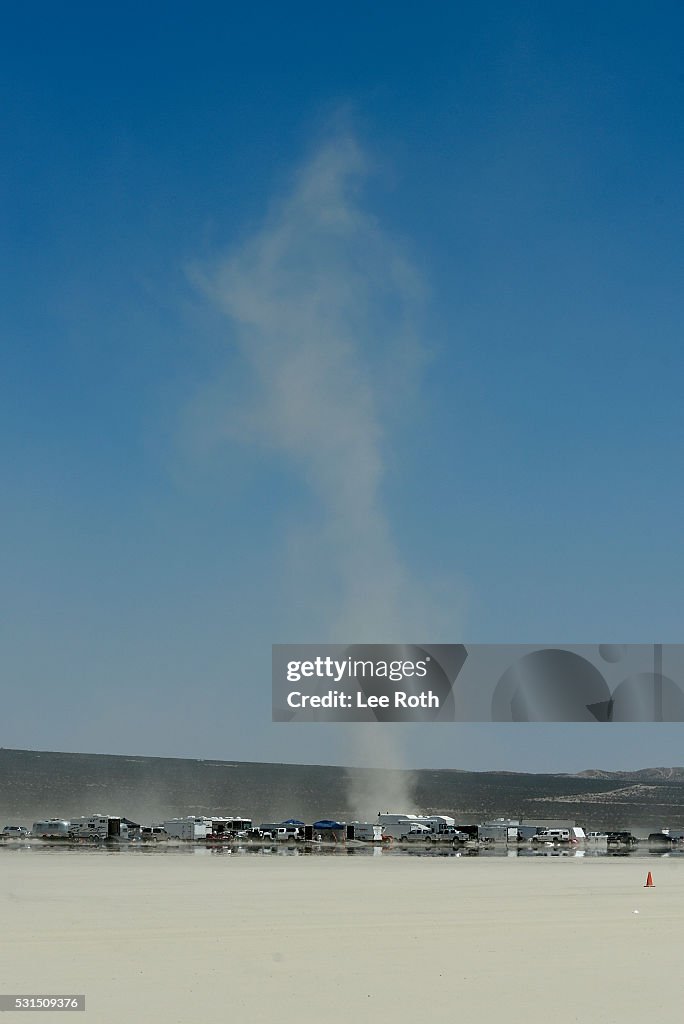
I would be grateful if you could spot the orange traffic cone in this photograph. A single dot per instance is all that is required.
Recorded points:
(650, 884)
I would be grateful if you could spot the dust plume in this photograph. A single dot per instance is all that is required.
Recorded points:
(323, 306)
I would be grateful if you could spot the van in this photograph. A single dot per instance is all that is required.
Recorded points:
(153, 833)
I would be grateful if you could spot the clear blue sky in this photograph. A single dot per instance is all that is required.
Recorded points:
(462, 230)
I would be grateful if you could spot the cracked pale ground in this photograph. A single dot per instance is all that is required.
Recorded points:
(181, 938)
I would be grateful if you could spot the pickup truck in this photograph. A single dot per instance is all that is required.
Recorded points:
(552, 835)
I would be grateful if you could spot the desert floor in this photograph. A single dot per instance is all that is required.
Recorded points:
(186, 939)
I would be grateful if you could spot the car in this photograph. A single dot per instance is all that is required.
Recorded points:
(15, 832)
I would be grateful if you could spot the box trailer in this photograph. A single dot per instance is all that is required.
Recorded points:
(366, 831)
(190, 829)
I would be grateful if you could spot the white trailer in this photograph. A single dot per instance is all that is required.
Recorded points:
(394, 819)
(104, 827)
(229, 825)
(438, 825)
(190, 829)
(367, 831)
(404, 826)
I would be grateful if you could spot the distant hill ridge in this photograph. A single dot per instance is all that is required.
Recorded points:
(641, 774)
(35, 784)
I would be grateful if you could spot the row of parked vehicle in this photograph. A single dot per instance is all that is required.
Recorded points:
(613, 840)
(566, 835)
(95, 829)
(402, 828)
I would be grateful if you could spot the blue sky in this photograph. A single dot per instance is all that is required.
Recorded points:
(465, 228)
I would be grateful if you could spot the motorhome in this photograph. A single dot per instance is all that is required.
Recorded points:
(239, 824)
(229, 826)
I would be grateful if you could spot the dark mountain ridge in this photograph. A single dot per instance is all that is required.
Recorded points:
(37, 784)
